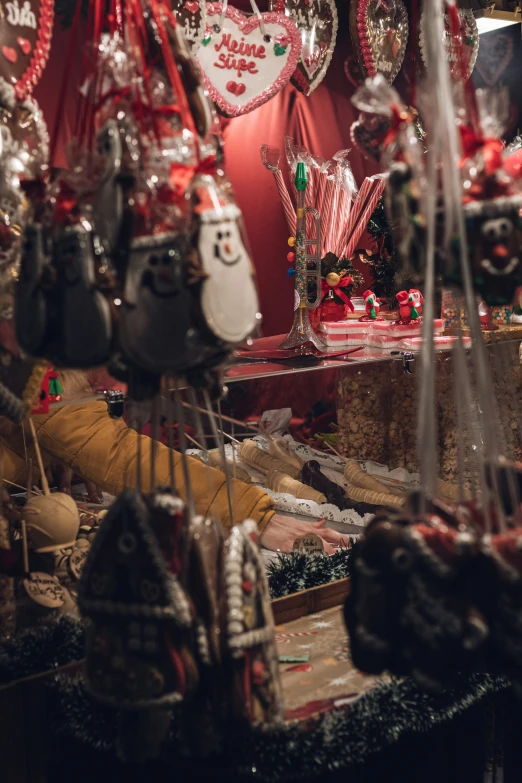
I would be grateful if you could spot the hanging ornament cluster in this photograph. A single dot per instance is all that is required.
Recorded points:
(140, 220)
(188, 621)
(246, 60)
(317, 22)
(461, 42)
(379, 30)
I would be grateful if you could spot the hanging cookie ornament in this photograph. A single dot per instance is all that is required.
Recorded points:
(191, 16)
(25, 35)
(379, 30)
(461, 47)
(244, 60)
(317, 23)
(229, 301)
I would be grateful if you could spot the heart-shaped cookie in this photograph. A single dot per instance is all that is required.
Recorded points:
(368, 134)
(317, 23)
(379, 31)
(192, 16)
(469, 44)
(259, 53)
(25, 32)
(495, 54)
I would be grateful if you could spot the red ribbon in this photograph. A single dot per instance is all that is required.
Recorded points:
(397, 119)
(491, 149)
(337, 289)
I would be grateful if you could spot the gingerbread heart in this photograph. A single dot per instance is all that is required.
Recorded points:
(317, 23)
(192, 16)
(259, 52)
(468, 48)
(494, 56)
(379, 31)
(26, 26)
(368, 134)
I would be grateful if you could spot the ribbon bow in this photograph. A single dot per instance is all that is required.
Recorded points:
(491, 149)
(337, 289)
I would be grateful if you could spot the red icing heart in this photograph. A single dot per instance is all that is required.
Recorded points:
(236, 88)
(24, 45)
(9, 54)
(192, 6)
(261, 67)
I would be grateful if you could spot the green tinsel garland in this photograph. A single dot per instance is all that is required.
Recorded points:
(298, 571)
(337, 739)
(57, 643)
(384, 269)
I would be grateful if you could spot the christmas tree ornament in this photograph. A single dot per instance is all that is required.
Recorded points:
(25, 31)
(317, 23)
(461, 44)
(379, 31)
(245, 61)
(191, 16)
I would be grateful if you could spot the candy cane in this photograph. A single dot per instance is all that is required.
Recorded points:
(357, 208)
(365, 217)
(286, 201)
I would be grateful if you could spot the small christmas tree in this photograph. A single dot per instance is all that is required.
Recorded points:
(385, 263)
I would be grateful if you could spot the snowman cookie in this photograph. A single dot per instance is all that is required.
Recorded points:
(228, 297)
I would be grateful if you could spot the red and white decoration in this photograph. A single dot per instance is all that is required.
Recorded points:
(245, 61)
(25, 31)
(317, 23)
(379, 30)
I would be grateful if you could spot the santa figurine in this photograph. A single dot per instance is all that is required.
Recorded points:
(373, 305)
(410, 304)
(418, 300)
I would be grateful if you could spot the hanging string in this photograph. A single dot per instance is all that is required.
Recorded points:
(58, 122)
(172, 70)
(220, 443)
(180, 415)
(230, 486)
(154, 433)
(170, 440)
(193, 400)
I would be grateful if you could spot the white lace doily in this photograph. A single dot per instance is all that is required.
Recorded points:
(333, 468)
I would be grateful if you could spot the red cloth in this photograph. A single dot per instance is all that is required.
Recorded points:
(321, 123)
